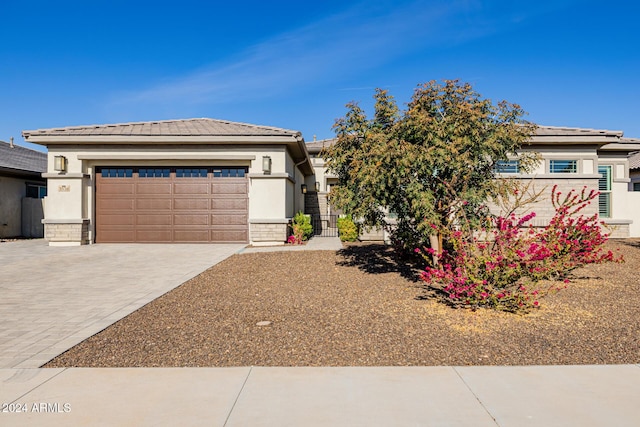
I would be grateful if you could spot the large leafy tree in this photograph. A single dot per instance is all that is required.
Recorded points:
(430, 166)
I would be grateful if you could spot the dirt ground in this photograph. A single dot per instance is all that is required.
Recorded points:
(363, 307)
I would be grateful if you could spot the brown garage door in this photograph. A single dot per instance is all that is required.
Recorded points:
(188, 205)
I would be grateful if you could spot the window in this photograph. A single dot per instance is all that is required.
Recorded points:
(154, 173)
(36, 191)
(604, 186)
(636, 186)
(191, 173)
(117, 173)
(563, 166)
(229, 172)
(507, 166)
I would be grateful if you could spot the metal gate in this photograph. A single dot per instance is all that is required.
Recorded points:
(325, 225)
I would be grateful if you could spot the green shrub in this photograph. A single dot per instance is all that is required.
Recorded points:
(302, 228)
(347, 229)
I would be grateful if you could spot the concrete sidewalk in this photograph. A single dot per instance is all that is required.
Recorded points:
(316, 243)
(401, 396)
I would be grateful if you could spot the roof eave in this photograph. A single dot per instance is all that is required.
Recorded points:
(21, 173)
(294, 142)
(573, 139)
(48, 140)
(621, 147)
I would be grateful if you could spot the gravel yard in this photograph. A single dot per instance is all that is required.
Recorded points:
(360, 307)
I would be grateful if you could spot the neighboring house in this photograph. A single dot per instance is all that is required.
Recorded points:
(22, 189)
(571, 158)
(634, 172)
(195, 180)
(206, 180)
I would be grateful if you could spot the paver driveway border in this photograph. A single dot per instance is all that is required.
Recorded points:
(52, 298)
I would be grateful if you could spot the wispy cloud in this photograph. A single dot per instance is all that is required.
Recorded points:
(343, 45)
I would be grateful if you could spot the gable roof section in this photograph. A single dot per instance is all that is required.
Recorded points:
(165, 128)
(18, 160)
(179, 132)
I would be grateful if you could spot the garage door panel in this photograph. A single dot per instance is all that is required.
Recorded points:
(229, 187)
(171, 209)
(229, 235)
(109, 235)
(229, 204)
(116, 219)
(194, 236)
(153, 219)
(155, 204)
(191, 204)
(153, 188)
(160, 235)
(117, 187)
(191, 188)
(114, 204)
(232, 219)
(183, 219)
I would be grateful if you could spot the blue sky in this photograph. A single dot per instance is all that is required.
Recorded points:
(295, 64)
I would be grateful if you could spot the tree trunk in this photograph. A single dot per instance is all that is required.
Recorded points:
(435, 240)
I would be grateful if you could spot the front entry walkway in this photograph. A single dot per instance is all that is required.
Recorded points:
(52, 298)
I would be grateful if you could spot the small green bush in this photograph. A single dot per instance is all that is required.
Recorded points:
(347, 229)
(302, 228)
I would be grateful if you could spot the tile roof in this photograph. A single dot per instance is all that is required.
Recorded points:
(634, 161)
(185, 127)
(22, 159)
(541, 131)
(316, 146)
(568, 131)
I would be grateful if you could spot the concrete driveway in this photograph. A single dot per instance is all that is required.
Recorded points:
(52, 298)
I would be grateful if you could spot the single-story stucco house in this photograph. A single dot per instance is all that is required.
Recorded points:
(206, 180)
(571, 158)
(195, 180)
(22, 189)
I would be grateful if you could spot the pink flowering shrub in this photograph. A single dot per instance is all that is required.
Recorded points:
(297, 238)
(504, 271)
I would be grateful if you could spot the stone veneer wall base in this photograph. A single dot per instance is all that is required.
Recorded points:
(268, 233)
(66, 233)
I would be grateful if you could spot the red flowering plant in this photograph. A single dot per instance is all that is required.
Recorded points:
(505, 270)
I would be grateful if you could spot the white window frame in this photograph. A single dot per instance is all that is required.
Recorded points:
(511, 166)
(604, 186)
(564, 170)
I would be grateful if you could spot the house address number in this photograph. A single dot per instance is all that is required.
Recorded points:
(64, 188)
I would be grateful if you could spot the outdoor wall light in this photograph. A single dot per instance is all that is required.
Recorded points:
(266, 164)
(303, 187)
(60, 163)
(317, 186)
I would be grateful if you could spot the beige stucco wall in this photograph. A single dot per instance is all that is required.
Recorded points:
(321, 175)
(32, 216)
(12, 190)
(19, 215)
(272, 198)
(625, 207)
